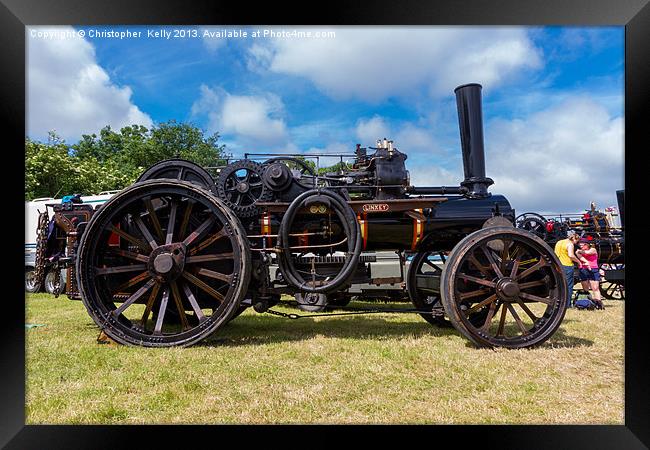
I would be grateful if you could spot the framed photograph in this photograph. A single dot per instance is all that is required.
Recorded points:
(436, 192)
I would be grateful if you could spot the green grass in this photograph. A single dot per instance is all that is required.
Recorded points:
(376, 368)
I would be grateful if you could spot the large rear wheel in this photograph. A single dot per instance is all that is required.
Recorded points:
(163, 263)
(179, 169)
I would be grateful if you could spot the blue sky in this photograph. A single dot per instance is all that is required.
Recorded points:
(553, 97)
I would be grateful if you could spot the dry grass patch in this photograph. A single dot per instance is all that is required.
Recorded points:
(377, 368)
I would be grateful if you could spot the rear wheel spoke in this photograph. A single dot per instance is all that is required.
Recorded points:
(172, 221)
(133, 240)
(161, 312)
(215, 275)
(505, 254)
(133, 281)
(136, 295)
(149, 305)
(195, 305)
(199, 231)
(432, 265)
(186, 218)
(206, 258)
(200, 284)
(130, 255)
(179, 305)
(206, 243)
(120, 269)
(145, 232)
(154, 218)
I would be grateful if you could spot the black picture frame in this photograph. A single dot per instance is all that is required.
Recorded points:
(633, 14)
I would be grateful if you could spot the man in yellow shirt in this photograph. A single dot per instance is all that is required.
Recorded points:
(564, 249)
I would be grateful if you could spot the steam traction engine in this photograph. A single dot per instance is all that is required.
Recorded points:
(172, 258)
(597, 227)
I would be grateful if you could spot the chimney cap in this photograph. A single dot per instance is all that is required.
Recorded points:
(466, 85)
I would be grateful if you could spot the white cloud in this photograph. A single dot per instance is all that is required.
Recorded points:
(251, 120)
(370, 130)
(380, 62)
(67, 91)
(559, 159)
(414, 139)
(428, 174)
(406, 136)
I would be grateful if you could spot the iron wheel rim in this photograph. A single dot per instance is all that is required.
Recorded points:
(179, 169)
(106, 274)
(502, 290)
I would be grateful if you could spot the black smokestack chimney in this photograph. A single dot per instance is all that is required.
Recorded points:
(470, 120)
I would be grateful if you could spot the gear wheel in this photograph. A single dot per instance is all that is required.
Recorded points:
(534, 223)
(240, 185)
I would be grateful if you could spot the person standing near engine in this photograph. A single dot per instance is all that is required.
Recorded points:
(590, 272)
(564, 249)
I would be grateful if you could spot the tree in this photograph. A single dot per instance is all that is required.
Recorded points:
(112, 160)
(48, 169)
(135, 147)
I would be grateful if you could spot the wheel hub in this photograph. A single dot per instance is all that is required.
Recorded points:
(507, 289)
(166, 263)
(242, 187)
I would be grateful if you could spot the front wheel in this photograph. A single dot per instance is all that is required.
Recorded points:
(514, 278)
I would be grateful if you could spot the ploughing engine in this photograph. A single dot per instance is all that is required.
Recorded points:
(174, 257)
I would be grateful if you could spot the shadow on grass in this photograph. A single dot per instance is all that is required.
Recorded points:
(256, 330)
(263, 329)
(561, 339)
